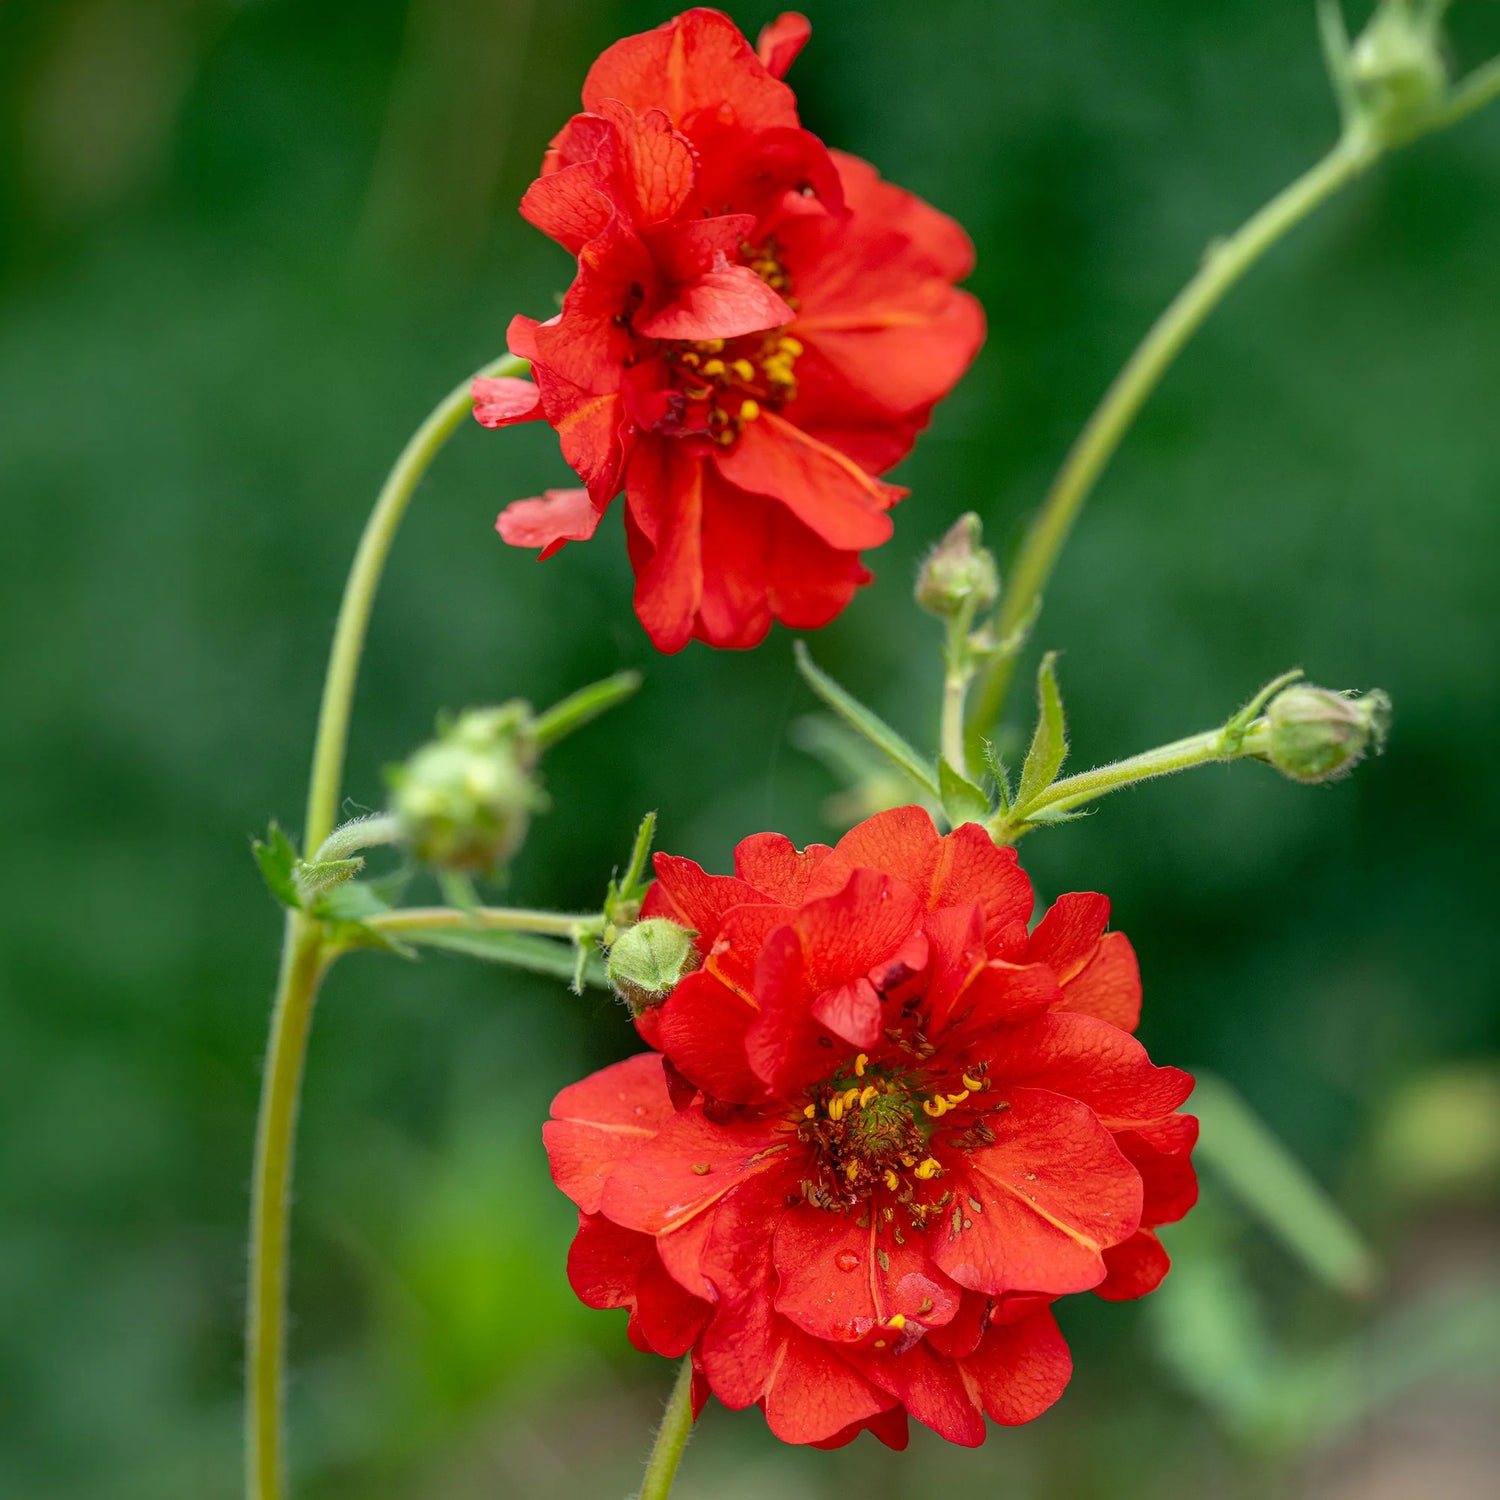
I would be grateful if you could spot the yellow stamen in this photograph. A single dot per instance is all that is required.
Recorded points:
(712, 346)
(788, 345)
(850, 1095)
(957, 1098)
(880, 1343)
(749, 410)
(744, 369)
(928, 1168)
(860, 1064)
(891, 1180)
(809, 1111)
(908, 1161)
(936, 1108)
(896, 1320)
(972, 1084)
(836, 1107)
(712, 367)
(852, 1170)
(868, 1093)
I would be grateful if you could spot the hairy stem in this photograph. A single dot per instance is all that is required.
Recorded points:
(1222, 267)
(496, 918)
(671, 1437)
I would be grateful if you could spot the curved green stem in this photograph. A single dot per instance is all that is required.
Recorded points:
(359, 597)
(1225, 263)
(671, 1437)
(306, 955)
(496, 918)
(303, 965)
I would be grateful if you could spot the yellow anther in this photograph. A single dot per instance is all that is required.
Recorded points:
(891, 1180)
(860, 1063)
(908, 1161)
(880, 1343)
(688, 357)
(850, 1097)
(744, 369)
(928, 1168)
(936, 1108)
(712, 346)
(852, 1170)
(836, 1107)
(957, 1098)
(809, 1111)
(712, 367)
(868, 1093)
(788, 345)
(972, 1084)
(749, 410)
(896, 1320)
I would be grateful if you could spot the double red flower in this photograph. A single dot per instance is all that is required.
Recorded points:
(889, 1126)
(758, 328)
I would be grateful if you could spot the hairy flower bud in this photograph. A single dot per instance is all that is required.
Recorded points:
(959, 573)
(646, 962)
(1396, 67)
(1318, 735)
(464, 800)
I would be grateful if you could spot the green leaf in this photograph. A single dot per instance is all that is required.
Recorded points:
(277, 858)
(1001, 772)
(859, 718)
(622, 895)
(963, 802)
(577, 709)
(1278, 1190)
(312, 880)
(354, 901)
(1050, 816)
(1049, 745)
(518, 950)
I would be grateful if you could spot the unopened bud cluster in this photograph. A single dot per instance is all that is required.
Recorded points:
(646, 962)
(959, 575)
(465, 799)
(1396, 68)
(1318, 735)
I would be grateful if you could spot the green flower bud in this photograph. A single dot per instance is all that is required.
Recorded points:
(1318, 735)
(646, 961)
(959, 573)
(465, 799)
(1396, 68)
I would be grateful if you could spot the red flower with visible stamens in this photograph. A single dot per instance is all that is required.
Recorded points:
(888, 1128)
(758, 328)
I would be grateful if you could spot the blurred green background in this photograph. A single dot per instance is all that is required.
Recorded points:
(243, 248)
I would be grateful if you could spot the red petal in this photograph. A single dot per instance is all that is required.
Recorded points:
(844, 1283)
(1089, 1060)
(901, 842)
(960, 1337)
(1161, 1154)
(688, 894)
(702, 1026)
(772, 863)
(613, 1267)
(724, 303)
(1020, 1368)
(664, 488)
(658, 1189)
(602, 1118)
(781, 40)
(847, 934)
(1054, 1192)
(931, 1388)
(687, 250)
(1135, 1268)
(576, 203)
(696, 67)
(888, 1426)
(1068, 936)
(550, 522)
(785, 1046)
(972, 868)
(827, 492)
(658, 163)
(1109, 984)
(504, 401)
(1004, 994)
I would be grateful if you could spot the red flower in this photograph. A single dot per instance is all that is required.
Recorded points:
(889, 1127)
(758, 328)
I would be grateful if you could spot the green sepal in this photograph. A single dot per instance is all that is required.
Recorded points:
(517, 950)
(1049, 745)
(1050, 816)
(277, 857)
(1001, 772)
(313, 880)
(864, 722)
(624, 894)
(963, 802)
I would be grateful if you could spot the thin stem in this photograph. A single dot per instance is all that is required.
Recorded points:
(958, 660)
(304, 962)
(496, 918)
(1227, 742)
(1225, 263)
(359, 597)
(1469, 94)
(361, 833)
(671, 1437)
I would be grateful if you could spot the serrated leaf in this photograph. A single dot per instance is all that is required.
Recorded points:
(963, 802)
(1049, 744)
(517, 950)
(1001, 772)
(277, 858)
(1278, 1190)
(864, 722)
(313, 879)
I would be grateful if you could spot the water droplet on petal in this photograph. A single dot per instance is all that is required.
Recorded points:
(846, 1260)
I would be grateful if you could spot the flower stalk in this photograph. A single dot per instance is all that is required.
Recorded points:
(671, 1438)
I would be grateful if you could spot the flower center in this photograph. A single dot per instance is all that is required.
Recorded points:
(727, 383)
